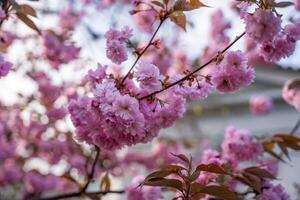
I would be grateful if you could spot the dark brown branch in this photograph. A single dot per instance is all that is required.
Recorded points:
(295, 128)
(196, 70)
(78, 194)
(83, 190)
(140, 54)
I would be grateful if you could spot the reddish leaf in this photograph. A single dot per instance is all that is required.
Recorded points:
(284, 150)
(27, 10)
(159, 174)
(220, 192)
(194, 175)
(262, 173)
(182, 157)
(174, 168)
(162, 182)
(213, 168)
(157, 3)
(252, 181)
(178, 17)
(284, 4)
(187, 5)
(196, 188)
(105, 183)
(27, 21)
(294, 84)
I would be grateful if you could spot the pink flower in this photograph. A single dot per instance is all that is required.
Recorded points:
(260, 105)
(69, 18)
(56, 113)
(96, 76)
(2, 14)
(291, 94)
(297, 4)
(263, 25)
(273, 192)
(57, 51)
(126, 107)
(239, 145)
(293, 30)
(280, 47)
(36, 183)
(116, 44)
(220, 27)
(148, 76)
(200, 88)
(116, 51)
(233, 73)
(145, 20)
(5, 67)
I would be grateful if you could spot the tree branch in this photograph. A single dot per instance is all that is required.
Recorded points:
(83, 190)
(196, 70)
(295, 128)
(145, 49)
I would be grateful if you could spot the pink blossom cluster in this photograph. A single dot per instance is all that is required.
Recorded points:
(275, 42)
(56, 51)
(134, 192)
(37, 183)
(260, 105)
(272, 191)
(2, 14)
(239, 145)
(297, 4)
(6, 39)
(291, 95)
(5, 67)
(116, 44)
(218, 32)
(144, 20)
(69, 18)
(115, 117)
(232, 73)
(199, 89)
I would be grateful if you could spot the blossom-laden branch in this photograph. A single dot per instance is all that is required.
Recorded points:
(140, 54)
(84, 188)
(214, 59)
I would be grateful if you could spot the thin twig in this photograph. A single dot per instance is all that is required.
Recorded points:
(145, 49)
(295, 128)
(196, 70)
(78, 194)
(84, 188)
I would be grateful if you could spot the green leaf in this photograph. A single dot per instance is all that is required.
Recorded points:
(220, 192)
(162, 182)
(28, 21)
